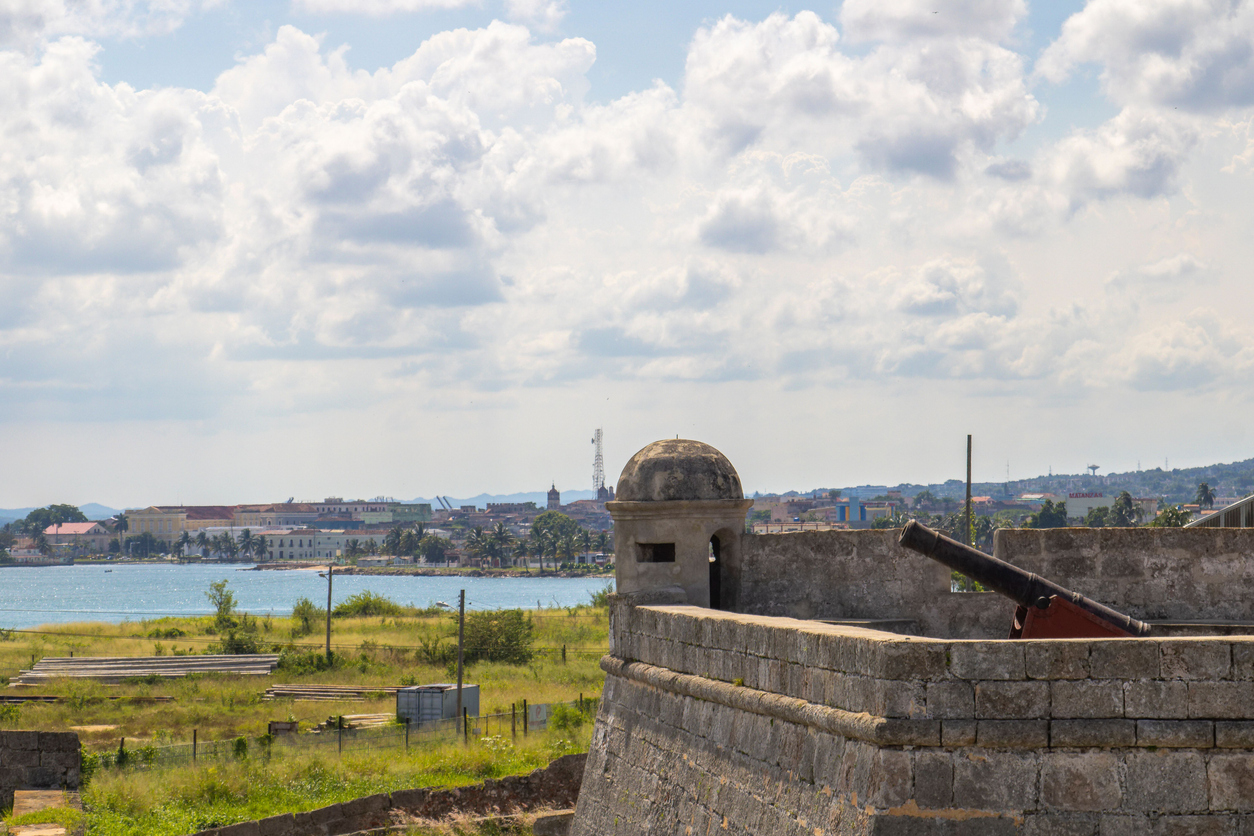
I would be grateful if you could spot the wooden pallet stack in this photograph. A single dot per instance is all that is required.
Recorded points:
(116, 669)
(327, 693)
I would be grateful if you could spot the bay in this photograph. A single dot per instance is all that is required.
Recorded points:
(31, 596)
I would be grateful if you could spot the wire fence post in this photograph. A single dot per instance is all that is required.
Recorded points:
(194, 745)
(339, 725)
(525, 713)
(466, 726)
(563, 654)
(406, 734)
(513, 720)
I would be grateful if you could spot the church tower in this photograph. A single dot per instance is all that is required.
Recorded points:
(555, 498)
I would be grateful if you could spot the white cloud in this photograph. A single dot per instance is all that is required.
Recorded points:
(897, 20)
(25, 21)
(909, 108)
(1191, 54)
(543, 15)
(1190, 353)
(375, 8)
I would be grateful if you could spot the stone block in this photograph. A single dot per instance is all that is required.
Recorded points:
(890, 779)
(1086, 698)
(1123, 826)
(1234, 734)
(1211, 825)
(1057, 659)
(1155, 699)
(1231, 782)
(1013, 700)
(1175, 734)
(958, 732)
(1166, 781)
(1080, 782)
(882, 825)
(1242, 657)
(953, 699)
(368, 807)
(933, 779)
(244, 828)
(1060, 824)
(58, 742)
(895, 698)
(987, 660)
(1012, 734)
(1189, 659)
(909, 660)
(284, 825)
(19, 740)
(1221, 700)
(1124, 659)
(1081, 734)
(995, 781)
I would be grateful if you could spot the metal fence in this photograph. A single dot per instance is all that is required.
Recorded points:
(340, 740)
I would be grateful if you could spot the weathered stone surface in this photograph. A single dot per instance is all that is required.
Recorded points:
(1013, 700)
(1124, 659)
(1012, 734)
(995, 781)
(1177, 734)
(1155, 699)
(1080, 782)
(1238, 734)
(933, 779)
(1086, 698)
(958, 732)
(1069, 734)
(1231, 782)
(1056, 660)
(953, 699)
(987, 660)
(1221, 700)
(1184, 659)
(1166, 781)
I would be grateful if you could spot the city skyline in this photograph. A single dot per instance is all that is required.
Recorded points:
(423, 246)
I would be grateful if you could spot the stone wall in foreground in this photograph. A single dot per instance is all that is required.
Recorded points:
(713, 722)
(1192, 574)
(37, 760)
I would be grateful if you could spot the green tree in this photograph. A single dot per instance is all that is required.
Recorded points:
(554, 523)
(1124, 513)
(1171, 517)
(1098, 517)
(1051, 515)
(223, 601)
(261, 549)
(433, 548)
(183, 543)
(121, 524)
(246, 542)
(392, 542)
(499, 636)
(203, 542)
(1205, 496)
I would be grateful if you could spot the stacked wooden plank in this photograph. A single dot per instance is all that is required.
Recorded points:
(359, 721)
(327, 693)
(115, 669)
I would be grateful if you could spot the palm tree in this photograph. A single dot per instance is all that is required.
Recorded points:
(120, 524)
(203, 542)
(392, 542)
(478, 543)
(1205, 496)
(352, 548)
(261, 548)
(182, 543)
(522, 550)
(247, 542)
(603, 542)
(501, 540)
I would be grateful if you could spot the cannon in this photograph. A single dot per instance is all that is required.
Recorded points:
(1045, 609)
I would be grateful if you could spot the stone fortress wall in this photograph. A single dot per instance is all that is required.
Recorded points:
(760, 718)
(37, 760)
(1177, 575)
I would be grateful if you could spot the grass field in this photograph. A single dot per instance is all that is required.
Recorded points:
(413, 647)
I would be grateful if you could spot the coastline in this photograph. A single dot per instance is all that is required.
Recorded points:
(425, 572)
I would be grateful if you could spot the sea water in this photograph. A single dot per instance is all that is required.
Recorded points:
(36, 595)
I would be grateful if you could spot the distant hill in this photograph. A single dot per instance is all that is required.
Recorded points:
(93, 511)
(540, 498)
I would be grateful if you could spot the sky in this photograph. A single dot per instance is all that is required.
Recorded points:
(406, 247)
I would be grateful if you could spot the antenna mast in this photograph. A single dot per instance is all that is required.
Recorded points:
(598, 466)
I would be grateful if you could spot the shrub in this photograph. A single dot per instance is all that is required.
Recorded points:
(366, 603)
(306, 617)
(499, 636)
(601, 598)
(566, 718)
(10, 715)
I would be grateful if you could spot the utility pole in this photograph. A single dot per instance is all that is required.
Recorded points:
(330, 573)
(966, 533)
(461, 644)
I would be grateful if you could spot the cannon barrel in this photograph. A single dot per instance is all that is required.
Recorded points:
(1024, 588)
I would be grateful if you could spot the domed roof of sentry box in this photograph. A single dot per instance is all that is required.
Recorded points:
(678, 469)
